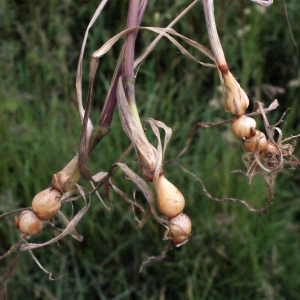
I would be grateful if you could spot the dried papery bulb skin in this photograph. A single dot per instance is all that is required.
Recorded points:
(272, 156)
(66, 179)
(64, 182)
(47, 203)
(244, 127)
(180, 228)
(169, 199)
(271, 149)
(259, 139)
(29, 223)
(237, 100)
(149, 175)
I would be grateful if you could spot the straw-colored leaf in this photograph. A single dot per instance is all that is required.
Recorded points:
(42, 268)
(99, 177)
(133, 205)
(142, 146)
(155, 125)
(263, 210)
(263, 2)
(166, 32)
(149, 48)
(144, 188)
(79, 68)
(73, 233)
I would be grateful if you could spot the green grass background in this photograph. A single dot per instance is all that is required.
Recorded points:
(232, 253)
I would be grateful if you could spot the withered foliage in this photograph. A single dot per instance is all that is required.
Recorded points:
(150, 158)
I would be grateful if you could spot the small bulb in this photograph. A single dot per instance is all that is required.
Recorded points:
(244, 127)
(169, 199)
(259, 139)
(29, 223)
(180, 228)
(237, 100)
(47, 203)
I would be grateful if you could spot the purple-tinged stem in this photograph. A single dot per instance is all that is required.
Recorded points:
(132, 21)
(110, 104)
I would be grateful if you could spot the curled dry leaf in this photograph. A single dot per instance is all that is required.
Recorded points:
(72, 233)
(133, 205)
(149, 48)
(42, 268)
(161, 147)
(79, 68)
(144, 188)
(146, 153)
(263, 2)
(99, 178)
(157, 258)
(166, 32)
(263, 210)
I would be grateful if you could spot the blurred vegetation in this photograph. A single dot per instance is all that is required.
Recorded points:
(232, 253)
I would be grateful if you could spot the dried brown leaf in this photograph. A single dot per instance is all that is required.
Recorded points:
(42, 268)
(155, 125)
(263, 210)
(79, 68)
(73, 233)
(263, 2)
(149, 48)
(144, 188)
(14, 212)
(99, 177)
(156, 258)
(140, 142)
(166, 32)
(86, 133)
(133, 205)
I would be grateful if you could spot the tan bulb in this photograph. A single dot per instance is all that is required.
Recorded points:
(244, 127)
(169, 199)
(180, 228)
(47, 203)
